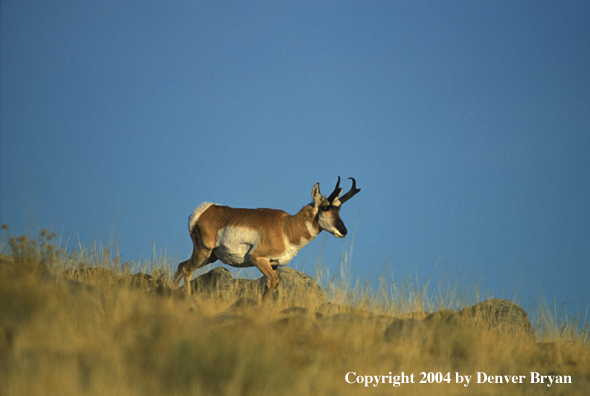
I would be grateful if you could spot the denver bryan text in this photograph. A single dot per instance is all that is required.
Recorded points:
(535, 378)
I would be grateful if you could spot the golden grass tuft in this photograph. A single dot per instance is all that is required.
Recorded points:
(73, 324)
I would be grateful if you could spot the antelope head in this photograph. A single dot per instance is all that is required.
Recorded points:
(328, 209)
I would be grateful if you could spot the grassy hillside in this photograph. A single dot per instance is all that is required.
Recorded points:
(68, 330)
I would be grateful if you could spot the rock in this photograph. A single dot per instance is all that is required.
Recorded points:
(234, 321)
(145, 282)
(443, 317)
(502, 315)
(490, 315)
(214, 283)
(92, 275)
(444, 323)
(348, 318)
(402, 329)
(245, 303)
(295, 288)
(301, 327)
(414, 315)
(250, 288)
(295, 310)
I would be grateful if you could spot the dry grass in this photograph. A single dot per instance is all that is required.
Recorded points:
(69, 332)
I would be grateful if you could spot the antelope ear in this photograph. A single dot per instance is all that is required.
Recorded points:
(316, 195)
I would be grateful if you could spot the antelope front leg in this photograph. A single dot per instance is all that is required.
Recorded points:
(187, 280)
(181, 273)
(272, 280)
(185, 272)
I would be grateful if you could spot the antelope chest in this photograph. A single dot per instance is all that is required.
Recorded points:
(288, 254)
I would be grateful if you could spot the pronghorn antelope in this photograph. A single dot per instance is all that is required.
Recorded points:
(264, 238)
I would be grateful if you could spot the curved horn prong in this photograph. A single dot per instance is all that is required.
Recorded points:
(353, 191)
(337, 191)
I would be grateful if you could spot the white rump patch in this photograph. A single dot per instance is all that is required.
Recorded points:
(197, 213)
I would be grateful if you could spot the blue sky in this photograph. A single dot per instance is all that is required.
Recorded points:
(465, 124)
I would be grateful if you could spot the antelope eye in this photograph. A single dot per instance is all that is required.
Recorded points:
(325, 208)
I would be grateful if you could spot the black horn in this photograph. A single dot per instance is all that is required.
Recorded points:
(353, 191)
(337, 191)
